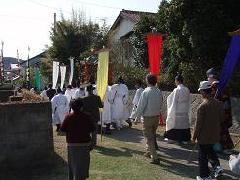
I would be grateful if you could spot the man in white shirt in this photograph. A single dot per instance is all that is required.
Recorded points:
(149, 106)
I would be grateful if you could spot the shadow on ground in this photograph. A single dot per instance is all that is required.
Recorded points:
(132, 135)
(120, 152)
(35, 170)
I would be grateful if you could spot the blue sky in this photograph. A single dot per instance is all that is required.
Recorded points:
(27, 22)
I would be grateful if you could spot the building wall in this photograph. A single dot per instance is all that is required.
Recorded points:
(123, 49)
(124, 27)
(25, 134)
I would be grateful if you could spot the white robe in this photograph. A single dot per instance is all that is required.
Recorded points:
(136, 99)
(106, 114)
(119, 100)
(234, 164)
(79, 93)
(74, 92)
(68, 94)
(178, 108)
(60, 107)
(44, 95)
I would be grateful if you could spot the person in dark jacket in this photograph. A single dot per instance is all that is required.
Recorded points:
(207, 131)
(78, 127)
(91, 105)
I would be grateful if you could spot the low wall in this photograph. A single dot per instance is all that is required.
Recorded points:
(25, 134)
(196, 101)
(5, 94)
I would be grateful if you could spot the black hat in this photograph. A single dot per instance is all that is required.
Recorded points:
(211, 72)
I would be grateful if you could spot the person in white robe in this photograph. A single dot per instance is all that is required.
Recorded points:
(44, 94)
(234, 163)
(60, 107)
(74, 90)
(135, 101)
(178, 109)
(80, 93)
(106, 114)
(119, 101)
(68, 93)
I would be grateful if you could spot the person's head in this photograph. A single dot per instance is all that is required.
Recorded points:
(211, 75)
(59, 91)
(74, 85)
(205, 89)
(92, 79)
(151, 80)
(178, 79)
(138, 84)
(90, 89)
(69, 86)
(120, 80)
(50, 86)
(76, 105)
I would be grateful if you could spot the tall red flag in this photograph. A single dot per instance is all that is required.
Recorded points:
(155, 49)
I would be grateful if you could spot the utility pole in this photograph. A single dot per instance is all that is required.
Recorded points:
(54, 22)
(28, 70)
(2, 65)
(18, 60)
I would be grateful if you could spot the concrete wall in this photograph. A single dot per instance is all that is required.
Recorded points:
(196, 101)
(25, 134)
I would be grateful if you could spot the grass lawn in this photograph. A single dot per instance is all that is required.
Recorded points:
(119, 157)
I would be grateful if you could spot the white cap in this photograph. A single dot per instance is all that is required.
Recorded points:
(204, 85)
(215, 82)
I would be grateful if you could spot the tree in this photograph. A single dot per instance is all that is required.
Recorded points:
(75, 38)
(144, 26)
(197, 35)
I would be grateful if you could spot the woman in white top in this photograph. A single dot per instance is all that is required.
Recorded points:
(178, 108)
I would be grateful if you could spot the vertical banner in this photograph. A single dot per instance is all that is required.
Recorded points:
(37, 79)
(63, 74)
(231, 59)
(155, 49)
(71, 70)
(102, 73)
(55, 74)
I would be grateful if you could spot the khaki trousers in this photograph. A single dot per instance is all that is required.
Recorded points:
(150, 125)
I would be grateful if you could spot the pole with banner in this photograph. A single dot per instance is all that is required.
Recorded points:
(102, 77)
(155, 51)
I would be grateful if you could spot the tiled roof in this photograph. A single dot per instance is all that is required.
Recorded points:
(130, 15)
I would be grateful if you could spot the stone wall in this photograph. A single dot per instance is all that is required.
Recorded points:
(25, 134)
(196, 101)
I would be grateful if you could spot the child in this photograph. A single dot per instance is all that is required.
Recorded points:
(78, 127)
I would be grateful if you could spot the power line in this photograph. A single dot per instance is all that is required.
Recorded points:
(98, 5)
(49, 7)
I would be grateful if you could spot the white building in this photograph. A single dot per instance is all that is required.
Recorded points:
(121, 30)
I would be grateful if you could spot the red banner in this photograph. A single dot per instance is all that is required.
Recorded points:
(155, 49)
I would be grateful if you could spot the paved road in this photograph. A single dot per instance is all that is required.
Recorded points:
(174, 157)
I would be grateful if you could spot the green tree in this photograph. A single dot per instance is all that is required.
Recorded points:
(144, 26)
(197, 35)
(75, 37)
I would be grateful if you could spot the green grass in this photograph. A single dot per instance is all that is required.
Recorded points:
(118, 157)
(112, 159)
